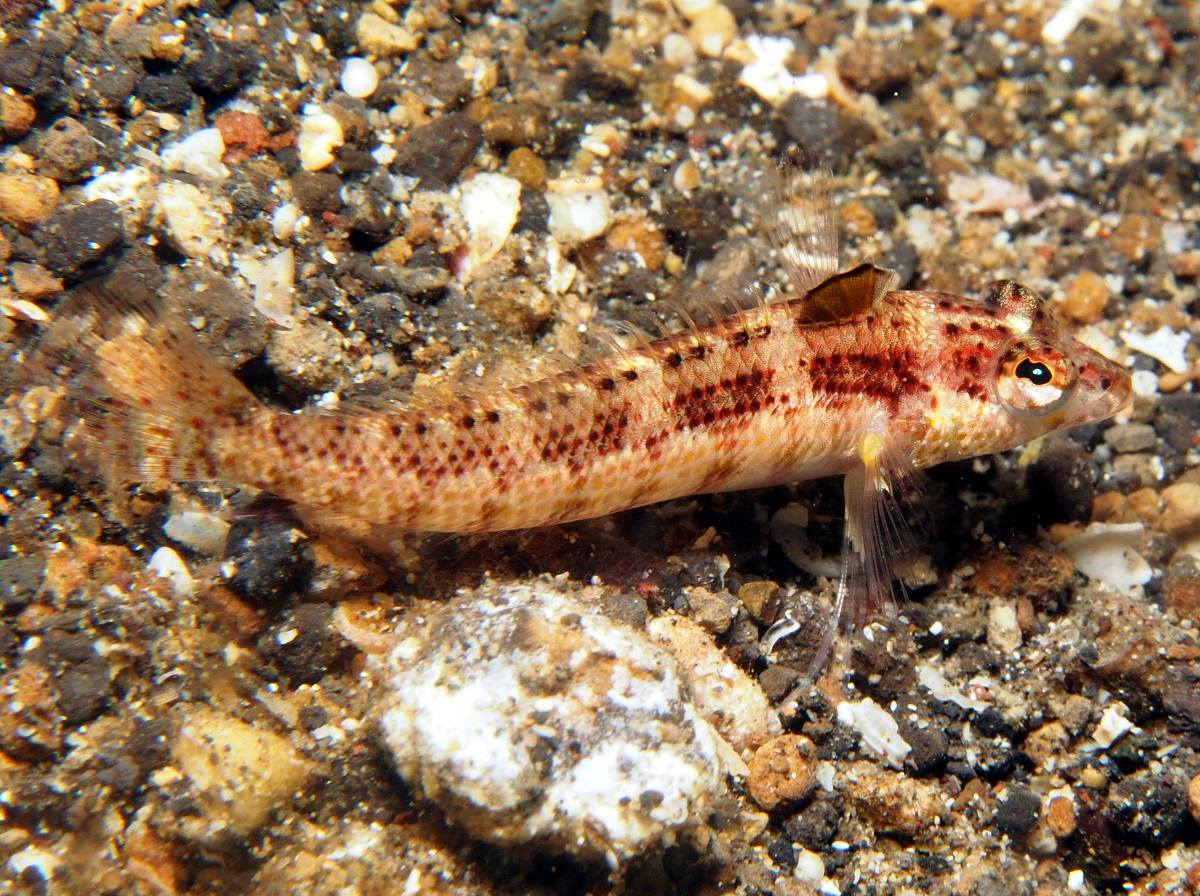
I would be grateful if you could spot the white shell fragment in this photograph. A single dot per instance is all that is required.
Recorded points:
(529, 718)
(199, 154)
(1106, 553)
(1164, 345)
(1113, 725)
(768, 75)
(489, 205)
(940, 688)
(1064, 22)
(579, 209)
(272, 280)
(878, 729)
(359, 78)
(320, 135)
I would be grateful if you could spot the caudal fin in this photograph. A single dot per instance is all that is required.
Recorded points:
(144, 401)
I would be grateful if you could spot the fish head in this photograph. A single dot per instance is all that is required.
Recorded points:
(1009, 373)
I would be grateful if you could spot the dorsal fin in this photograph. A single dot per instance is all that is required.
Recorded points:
(802, 223)
(846, 294)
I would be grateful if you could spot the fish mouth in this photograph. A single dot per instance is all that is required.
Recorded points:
(1105, 389)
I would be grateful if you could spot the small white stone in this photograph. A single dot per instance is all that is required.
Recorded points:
(1003, 631)
(126, 188)
(272, 280)
(166, 564)
(767, 73)
(194, 222)
(283, 221)
(202, 532)
(810, 867)
(320, 135)
(378, 36)
(1065, 21)
(489, 205)
(359, 78)
(579, 209)
(198, 154)
(1145, 383)
(878, 729)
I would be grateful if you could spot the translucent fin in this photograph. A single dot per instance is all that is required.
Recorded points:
(802, 224)
(144, 399)
(882, 494)
(847, 293)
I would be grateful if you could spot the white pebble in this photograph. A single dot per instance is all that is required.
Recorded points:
(359, 78)
(1113, 725)
(202, 532)
(1145, 383)
(194, 222)
(166, 564)
(768, 75)
(579, 209)
(198, 154)
(320, 135)
(284, 220)
(1065, 21)
(878, 729)
(1003, 631)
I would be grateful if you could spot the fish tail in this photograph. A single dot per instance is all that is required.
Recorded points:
(143, 400)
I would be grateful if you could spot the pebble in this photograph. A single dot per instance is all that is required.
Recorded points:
(218, 68)
(713, 28)
(266, 562)
(168, 92)
(27, 200)
(511, 125)
(193, 220)
(762, 601)
(243, 134)
(34, 282)
(320, 134)
(16, 117)
(1129, 438)
(199, 153)
(815, 826)
(1086, 297)
(359, 78)
(528, 717)
(30, 726)
(642, 237)
(525, 165)
(1060, 815)
(1136, 237)
(873, 68)
(379, 37)
(67, 151)
(203, 532)
(894, 803)
(580, 209)
(1181, 509)
(878, 728)
(303, 644)
(1194, 798)
(239, 773)
(1018, 812)
(80, 239)
(438, 152)
(781, 771)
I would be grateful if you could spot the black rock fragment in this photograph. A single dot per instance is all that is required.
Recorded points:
(815, 826)
(438, 152)
(80, 241)
(304, 644)
(1019, 812)
(269, 558)
(20, 578)
(168, 92)
(218, 70)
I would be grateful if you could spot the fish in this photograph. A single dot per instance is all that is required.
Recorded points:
(848, 377)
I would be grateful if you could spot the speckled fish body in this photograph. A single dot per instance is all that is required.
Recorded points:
(756, 399)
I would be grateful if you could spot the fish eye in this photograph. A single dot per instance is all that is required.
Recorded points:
(1035, 378)
(1034, 371)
